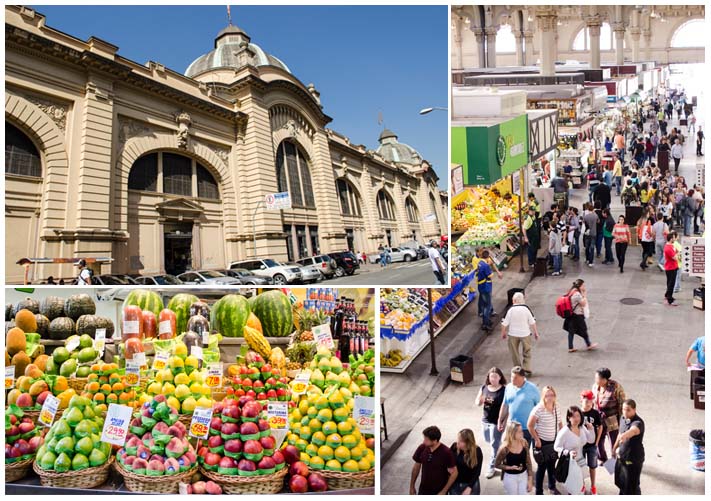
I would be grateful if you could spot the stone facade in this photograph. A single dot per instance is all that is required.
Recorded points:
(92, 114)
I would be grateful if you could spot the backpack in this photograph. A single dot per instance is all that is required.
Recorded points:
(563, 306)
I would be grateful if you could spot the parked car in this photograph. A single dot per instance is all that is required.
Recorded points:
(209, 277)
(323, 264)
(247, 277)
(112, 280)
(346, 262)
(419, 253)
(308, 275)
(131, 279)
(158, 280)
(279, 273)
(396, 254)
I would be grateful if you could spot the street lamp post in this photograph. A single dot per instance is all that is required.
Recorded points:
(425, 111)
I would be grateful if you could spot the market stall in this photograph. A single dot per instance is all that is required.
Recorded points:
(111, 392)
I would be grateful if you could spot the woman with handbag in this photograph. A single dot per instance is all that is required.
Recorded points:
(609, 396)
(543, 425)
(514, 461)
(491, 396)
(572, 438)
(469, 459)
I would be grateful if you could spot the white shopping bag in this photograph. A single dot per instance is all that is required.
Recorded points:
(574, 482)
(586, 311)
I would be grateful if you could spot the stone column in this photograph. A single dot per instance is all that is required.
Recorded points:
(547, 25)
(647, 34)
(619, 29)
(491, 47)
(519, 49)
(634, 35)
(594, 31)
(481, 46)
(529, 60)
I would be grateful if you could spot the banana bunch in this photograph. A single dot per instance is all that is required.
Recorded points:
(392, 359)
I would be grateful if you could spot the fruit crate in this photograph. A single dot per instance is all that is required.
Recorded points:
(230, 347)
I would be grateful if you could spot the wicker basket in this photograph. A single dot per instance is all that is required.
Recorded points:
(341, 480)
(259, 484)
(164, 484)
(16, 471)
(34, 414)
(78, 384)
(84, 479)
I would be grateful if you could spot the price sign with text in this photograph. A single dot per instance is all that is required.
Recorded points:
(100, 340)
(196, 351)
(9, 377)
(139, 359)
(364, 414)
(116, 424)
(131, 327)
(200, 424)
(278, 415)
(214, 375)
(160, 361)
(300, 383)
(133, 373)
(322, 335)
(49, 410)
(72, 343)
(165, 327)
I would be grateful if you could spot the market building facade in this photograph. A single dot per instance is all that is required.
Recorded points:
(163, 172)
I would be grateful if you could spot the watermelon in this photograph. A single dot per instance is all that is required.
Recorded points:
(180, 304)
(273, 310)
(145, 300)
(229, 315)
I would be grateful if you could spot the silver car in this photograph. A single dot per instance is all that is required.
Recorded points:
(281, 274)
(158, 280)
(323, 264)
(208, 277)
(308, 275)
(396, 254)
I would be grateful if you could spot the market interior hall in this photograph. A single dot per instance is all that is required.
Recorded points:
(577, 179)
(180, 390)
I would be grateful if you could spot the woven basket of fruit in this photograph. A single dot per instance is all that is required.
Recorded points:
(18, 470)
(258, 484)
(163, 484)
(87, 479)
(341, 480)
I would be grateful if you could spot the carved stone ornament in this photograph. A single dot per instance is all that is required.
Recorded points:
(184, 122)
(55, 111)
(222, 153)
(291, 127)
(131, 128)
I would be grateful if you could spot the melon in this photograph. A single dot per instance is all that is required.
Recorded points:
(61, 328)
(26, 304)
(273, 310)
(26, 321)
(229, 315)
(145, 300)
(52, 307)
(180, 304)
(42, 325)
(79, 304)
(87, 324)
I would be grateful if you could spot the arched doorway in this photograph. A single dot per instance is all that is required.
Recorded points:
(352, 214)
(387, 214)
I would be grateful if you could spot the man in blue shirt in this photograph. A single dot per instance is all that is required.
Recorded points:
(520, 397)
(484, 273)
(699, 347)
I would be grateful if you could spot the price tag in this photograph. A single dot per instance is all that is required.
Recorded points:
(196, 351)
(160, 361)
(200, 424)
(116, 424)
(72, 343)
(165, 328)
(139, 359)
(131, 327)
(100, 340)
(9, 377)
(322, 335)
(205, 337)
(49, 410)
(214, 375)
(133, 373)
(364, 414)
(278, 415)
(300, 383)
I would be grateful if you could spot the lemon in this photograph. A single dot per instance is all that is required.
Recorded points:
(325, 452)
(192, 361)
(356, 452)
(325, 415)
(204, 402)
(189, 405)
(344, 427)
(173, 402)
(364, 465)
(154, 388)
(342, 454)
(329, 428)
(333, 465)
(168, 389)
(351, 466)
(182, 392)
(350, 442)
(316, 463)
(303, 407)
(181, 378)
(181, 350)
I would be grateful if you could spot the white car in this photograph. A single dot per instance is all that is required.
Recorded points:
(397, 254)
(207, 277)
(279, 273)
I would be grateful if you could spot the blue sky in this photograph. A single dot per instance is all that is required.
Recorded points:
(363, 59)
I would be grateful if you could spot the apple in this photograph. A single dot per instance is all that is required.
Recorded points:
(272, 395)
(12, 431)
(159, 398)
(216, 424)
(243, 400)
(271, 382)
(251, 409)
(22, 446)
(240, 393)
(299, 468)
(246, 465)
(231, 412)
(12, 453)
(227, 462)
(212, 459)
(253, 447)
(261, 396)
(203, 452)
(263, 425)
(278, 458)
(282, 394)
(268, 443)
(199, 487)
(258, 385)
(42, 397)
(248, 428)
(13, 419)
(291, 454)
(215, 441)
(35, 443)
(246, 383)
(26, 427)
(298, 484)
(370, 443)
(230, 429)
(217, 408)
(266, 463)
(233, 446)
(317, 483)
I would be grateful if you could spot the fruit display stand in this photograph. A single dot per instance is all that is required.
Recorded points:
(404, 328)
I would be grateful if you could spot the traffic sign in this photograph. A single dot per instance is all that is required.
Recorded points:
(278, 201)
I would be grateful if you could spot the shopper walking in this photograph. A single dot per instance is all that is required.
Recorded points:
(622, 236)
(679, 249)
(592, 416)
(85, 274)
(555, 248)
(514, 461)
(438, 267)
(671, 267)
(692, 123)
(590, 236)
(543, 424)
(698, 198)
(660, 230)
(575, 324)
(520, 397)
(435, 462)
(573, 233)
(517, 326)
(677, 153)
(608, 225)
(469, 458)
(645, 236)
(532, 235)
(609, 396)
(491, 396)
(629, 450)
(484, 275)
(475, 264)
(688, 208)
(617, 173)
(574, 436)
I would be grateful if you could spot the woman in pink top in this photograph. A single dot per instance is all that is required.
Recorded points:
(622, 236)
(671, 267)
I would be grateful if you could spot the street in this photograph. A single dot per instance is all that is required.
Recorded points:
(396, 274)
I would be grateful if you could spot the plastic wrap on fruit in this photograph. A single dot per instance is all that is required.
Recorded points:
(200, 308)
(167, 324)
(132, 346)
(149, 324)
(132, 323)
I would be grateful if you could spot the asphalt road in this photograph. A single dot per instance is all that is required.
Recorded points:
(396, 274)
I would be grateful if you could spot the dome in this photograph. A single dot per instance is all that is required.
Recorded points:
(393, 151)
(229, 44)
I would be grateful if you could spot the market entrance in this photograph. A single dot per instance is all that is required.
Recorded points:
(178, 243)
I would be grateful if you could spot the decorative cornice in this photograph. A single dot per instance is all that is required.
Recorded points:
(56, 111)
(129, 128)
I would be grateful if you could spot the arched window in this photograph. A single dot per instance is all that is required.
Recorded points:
(505, 39)
(144, 173)
(21, 155)
(177, 174)
(434, 203)
(206, 184)
(386, 206)
(690, 34)
(413, 215)
(292, 170)
(348, 196)
(607, 39)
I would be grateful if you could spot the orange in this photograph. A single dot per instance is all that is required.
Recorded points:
(124, 398)
(112, 399)
(92, 387)
(117, 388)
(99, 397)
(105, 367)
(92, 377)
(106, 389)
(95, 368)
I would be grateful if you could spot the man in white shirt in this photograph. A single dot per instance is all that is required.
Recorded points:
(84, 277)
(438, 266)
(518, 325)
(660, 231)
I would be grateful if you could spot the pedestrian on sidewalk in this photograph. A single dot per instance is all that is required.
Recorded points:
(543, 423)
(590, 236)
(436, 463)
(689, 208)
(617, 173)
(573, 233)
(491, 396)
(645, 236)
(629, 450)
(469, 459)
(573, 437)
(609, 396)
(575, 324)
(698, 348)
(671, 267)
(532, 235)
(592, 416)
(660, 230)
(517, 325)
(555, 248)
(678, 248)
(520, 397)
(621, 234)
(608, 226)
(677, 153)
(698, 197)
(598, 234)
(438, 267)
(514, 461)
(475, 264)
(602, 196)
(484, 275)
(692, 123)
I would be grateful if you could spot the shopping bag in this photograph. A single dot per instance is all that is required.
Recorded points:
(574, 482)
(586, 311)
